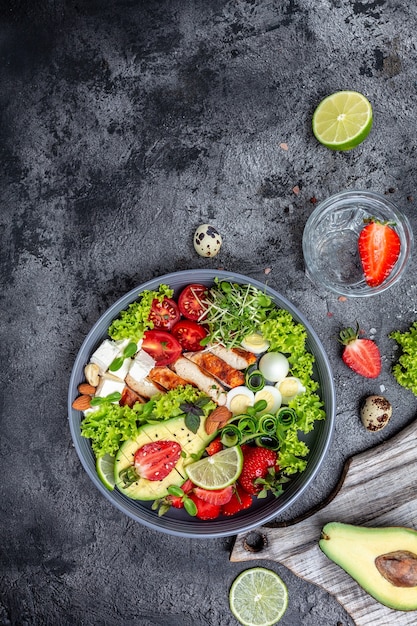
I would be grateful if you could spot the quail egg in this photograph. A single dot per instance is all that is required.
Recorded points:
(375, 413)
(207, 240)
(274, 366)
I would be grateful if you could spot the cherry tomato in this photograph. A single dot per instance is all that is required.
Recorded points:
(190, 301)
(189, 334)
(161, 346)
(164, 314)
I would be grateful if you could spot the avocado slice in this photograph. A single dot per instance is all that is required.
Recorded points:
(173, 429)
(382, 560)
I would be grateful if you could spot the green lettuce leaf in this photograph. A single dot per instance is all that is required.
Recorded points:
(405, 370)
(290, 451)
(134, 321)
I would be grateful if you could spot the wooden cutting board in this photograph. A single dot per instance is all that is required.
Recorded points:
(378, 488)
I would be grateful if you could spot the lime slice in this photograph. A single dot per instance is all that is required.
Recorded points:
(342, 120)
(258, 597)
(105, 470)
(217, 471)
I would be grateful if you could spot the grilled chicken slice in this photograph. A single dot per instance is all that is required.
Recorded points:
(145, 387)
(130, 397)
(218, 368)
(238, 358)
(165, 377)
(194, 375)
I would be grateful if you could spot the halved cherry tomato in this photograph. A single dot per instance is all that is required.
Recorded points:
(189, 334)
(161, 346)
(164, 314)
(190, 301)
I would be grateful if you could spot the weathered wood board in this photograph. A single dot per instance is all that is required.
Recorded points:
(378, 488)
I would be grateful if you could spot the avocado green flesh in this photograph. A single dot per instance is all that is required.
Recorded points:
(170, 430)
(355, 548)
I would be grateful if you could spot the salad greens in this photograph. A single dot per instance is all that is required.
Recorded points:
(405, 371)
(134, 321)
(111, 424)
(234, 311)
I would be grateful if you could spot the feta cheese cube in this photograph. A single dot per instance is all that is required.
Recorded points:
(108, 386)
(105, 354)
(141, 365)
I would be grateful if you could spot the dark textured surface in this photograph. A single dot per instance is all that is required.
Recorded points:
(124, 125)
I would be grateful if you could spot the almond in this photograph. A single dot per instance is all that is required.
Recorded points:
(217, 419)
(86, 389)
(81, 403)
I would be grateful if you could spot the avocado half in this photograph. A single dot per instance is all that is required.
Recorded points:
(382, 560)
(174, 429)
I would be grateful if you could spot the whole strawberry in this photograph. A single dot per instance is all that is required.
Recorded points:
(256, 462)
(360, 354)
(379, 248)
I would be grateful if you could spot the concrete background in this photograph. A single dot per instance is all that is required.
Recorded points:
(124, 125)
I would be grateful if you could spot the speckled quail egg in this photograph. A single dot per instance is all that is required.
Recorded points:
(375, 413)
(207, 240)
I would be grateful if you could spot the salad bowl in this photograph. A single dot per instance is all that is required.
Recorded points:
(176, 521)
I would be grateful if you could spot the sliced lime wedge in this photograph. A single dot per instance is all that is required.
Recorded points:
(342, 120)
(217, 471)
(258, 597)
(105, 470)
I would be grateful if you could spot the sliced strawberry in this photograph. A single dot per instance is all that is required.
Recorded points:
(215, 496)
(360, 354)
(157, 459)
(205, 510)
(256, 462)
(239, 501)
(379, 248)
(214, 447)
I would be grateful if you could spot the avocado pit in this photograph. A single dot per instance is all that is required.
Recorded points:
(399, 568)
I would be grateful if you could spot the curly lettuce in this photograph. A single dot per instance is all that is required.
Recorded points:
(111, 424)
(290, 451)
(134, 321)
(405, 370)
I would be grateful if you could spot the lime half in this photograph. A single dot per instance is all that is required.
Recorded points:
(105, 470)
(217, 471)
(258, 597)
(342, 120)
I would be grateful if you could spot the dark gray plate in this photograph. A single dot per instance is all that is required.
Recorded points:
(177, 522)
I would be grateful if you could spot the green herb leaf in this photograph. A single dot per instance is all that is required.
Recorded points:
(192, 422)
(116, 364)
(112, 397)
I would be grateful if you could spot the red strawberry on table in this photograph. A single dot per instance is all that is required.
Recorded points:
(360, 354)
(379, 248)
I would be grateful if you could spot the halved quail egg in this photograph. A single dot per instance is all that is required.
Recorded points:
(239, 398)
(289, 388)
